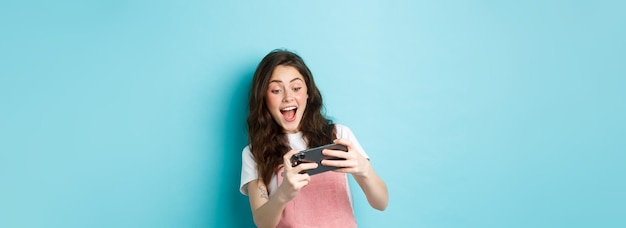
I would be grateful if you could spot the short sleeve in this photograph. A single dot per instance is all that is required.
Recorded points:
(343, 132)
(248, 170)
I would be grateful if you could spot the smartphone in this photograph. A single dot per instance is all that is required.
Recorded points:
(315, 155)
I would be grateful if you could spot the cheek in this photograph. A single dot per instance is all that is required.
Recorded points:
(305, 96)
(272, 101)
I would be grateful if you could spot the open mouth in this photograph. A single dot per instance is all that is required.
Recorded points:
(289, 113)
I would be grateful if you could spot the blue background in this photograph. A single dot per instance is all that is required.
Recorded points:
(476, 114)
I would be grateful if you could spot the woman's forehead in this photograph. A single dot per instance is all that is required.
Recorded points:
(286, 74)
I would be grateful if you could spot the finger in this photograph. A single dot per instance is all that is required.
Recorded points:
(287, 158)
(344, 142)
(302, 183)
(339, 163)
(305, 178)
(336, 153)
(295, 177)
(295, 172)
(299, 179)
(290, 153)
(344, 170)
(304, 166)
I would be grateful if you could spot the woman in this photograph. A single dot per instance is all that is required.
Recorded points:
(286, 117)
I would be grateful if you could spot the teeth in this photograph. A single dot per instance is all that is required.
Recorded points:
(288, 108)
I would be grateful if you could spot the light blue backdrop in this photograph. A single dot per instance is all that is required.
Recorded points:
(477, 114)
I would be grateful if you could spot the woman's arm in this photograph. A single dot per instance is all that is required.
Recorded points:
(267, 210)
(374, 188)
(361, 169)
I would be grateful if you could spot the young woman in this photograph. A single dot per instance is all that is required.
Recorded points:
(286, 117)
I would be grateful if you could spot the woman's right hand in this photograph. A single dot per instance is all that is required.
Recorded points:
(293, 177)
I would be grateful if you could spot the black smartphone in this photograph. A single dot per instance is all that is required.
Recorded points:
(315, 155)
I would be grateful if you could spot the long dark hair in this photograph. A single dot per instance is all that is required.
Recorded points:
(268, 142)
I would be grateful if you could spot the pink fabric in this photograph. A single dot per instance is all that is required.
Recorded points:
(323, 202)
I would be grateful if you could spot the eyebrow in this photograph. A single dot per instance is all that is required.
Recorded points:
(279, 81)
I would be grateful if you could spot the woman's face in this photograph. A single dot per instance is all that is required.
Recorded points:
(286, 97)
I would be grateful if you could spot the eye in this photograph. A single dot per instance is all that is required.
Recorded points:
(275, 91)
(296, 89)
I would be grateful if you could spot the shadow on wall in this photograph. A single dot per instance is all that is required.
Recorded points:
(233, 208)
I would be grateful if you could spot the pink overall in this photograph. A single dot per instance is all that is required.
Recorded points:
(323, 202)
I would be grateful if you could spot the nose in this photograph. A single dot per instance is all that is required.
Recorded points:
(288, 95)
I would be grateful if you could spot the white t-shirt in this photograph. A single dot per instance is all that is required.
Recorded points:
(296, 142)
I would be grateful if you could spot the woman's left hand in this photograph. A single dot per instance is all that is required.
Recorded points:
(355, 163)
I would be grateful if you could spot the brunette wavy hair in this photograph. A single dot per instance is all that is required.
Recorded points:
(268, 142)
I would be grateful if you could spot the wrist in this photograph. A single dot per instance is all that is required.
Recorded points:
(281, 197)
(367, 170)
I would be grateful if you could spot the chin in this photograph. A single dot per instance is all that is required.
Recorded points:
(290, 129)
